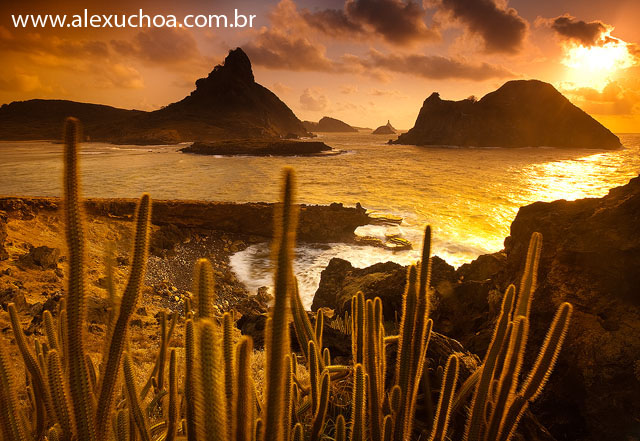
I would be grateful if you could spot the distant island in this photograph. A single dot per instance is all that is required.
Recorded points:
(387, 129)
(521, 113)
(257, 147)
(328, 124)
(227, 104)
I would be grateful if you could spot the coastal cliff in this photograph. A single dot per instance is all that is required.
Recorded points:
(522, 113)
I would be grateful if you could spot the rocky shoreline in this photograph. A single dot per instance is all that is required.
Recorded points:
(590, 258)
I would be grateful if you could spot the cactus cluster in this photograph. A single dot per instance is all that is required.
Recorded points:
(215, 399)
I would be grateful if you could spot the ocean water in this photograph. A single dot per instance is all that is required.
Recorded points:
(468, 195)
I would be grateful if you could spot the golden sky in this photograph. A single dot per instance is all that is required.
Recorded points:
(362, 61)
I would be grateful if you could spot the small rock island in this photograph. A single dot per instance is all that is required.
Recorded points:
(387, 129)
(258, 147)
(521, 113)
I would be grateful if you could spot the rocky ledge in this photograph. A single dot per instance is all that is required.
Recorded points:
(590, 258)
(253, 147)
(317, 223)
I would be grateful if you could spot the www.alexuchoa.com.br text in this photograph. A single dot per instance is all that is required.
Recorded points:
(139, 20)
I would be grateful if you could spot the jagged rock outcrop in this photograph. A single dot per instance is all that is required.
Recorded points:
(387, 129)
(340, 281)
(3, 236)
(227, 104)
(328, 124)
(522, 113)
(591, 258)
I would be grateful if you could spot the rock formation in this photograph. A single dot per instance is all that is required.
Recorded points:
(519, 114)
(227, 104)
(590, 258)
(252, 147)
(387, 129)
(328, 124)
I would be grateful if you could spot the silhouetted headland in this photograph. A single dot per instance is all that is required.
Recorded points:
(227, 104)
(522, 113)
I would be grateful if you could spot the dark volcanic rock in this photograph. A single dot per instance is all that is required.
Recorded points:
(387, 129)
(227, 104)
(327, 124)
(340, 281)
(519, 114)
(258, 148)
(590, 258)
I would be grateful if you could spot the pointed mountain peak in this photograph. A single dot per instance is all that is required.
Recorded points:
(235, 69)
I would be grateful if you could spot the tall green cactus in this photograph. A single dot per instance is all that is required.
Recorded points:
(243, 398)
(278, 336)
(77, 375)
(204, 288)
(190, 380)
(211, 397)
(113, 358)
(11, 422)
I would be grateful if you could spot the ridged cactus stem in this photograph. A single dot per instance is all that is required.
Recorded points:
(405, 361)
(59, 394)
(278, 337)
(133, 399)
(190, 380)
(77, 374)
(122, 425)
(204, 288)
(212, 402)
(244, 399)
(341, 432)
(11, 421)
(371, 364)
(509, 376)
(33, 367)
(172, 413)
(320, 413)
(358, 405)
(539, 373)
(229, 365)
(443, 413)
(475, 422)
(529, 277)
(50, 329)
(128, 305)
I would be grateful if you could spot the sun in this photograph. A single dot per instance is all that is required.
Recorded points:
(595, 66)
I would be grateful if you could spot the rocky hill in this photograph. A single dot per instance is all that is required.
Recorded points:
(522, 113)
(328, 124)
(227, 104)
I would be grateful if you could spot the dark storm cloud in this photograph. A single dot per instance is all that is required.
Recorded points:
(586, 33)
(397, 21)
(501, 29)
